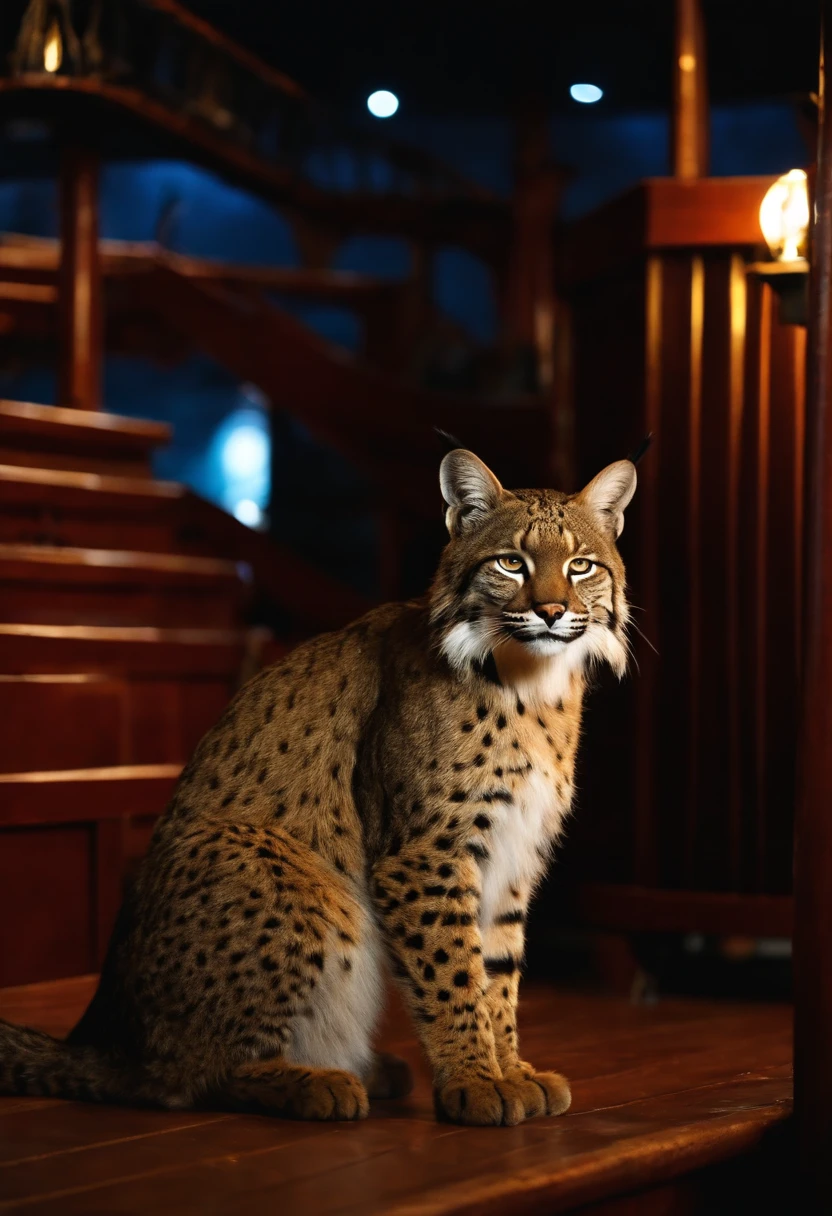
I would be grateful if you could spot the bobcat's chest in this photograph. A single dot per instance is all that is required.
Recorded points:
(519, 841)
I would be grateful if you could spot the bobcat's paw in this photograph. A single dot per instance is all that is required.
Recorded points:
(329, 1093)
(553, 1093)
(390, 1077)
(502, 1102)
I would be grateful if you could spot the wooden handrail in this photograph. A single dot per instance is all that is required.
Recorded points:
(252, 63)
(230, 92)
(26, 260)
(385, 426)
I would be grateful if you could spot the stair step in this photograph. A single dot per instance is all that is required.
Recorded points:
(89, 510)
(49, 436)
(66, 564)
(85, 795)
(71, 487)
(80, 832)
(50, 584)
(86, 720)
(121, 650)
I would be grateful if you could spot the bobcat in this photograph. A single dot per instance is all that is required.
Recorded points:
(385, 796)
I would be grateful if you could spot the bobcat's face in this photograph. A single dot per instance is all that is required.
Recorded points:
(532, 568)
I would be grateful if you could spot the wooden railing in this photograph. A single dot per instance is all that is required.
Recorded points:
(158, 301)
(174, 70)
(146, 78)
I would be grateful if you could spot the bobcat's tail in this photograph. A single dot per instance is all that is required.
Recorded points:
(34, 1063)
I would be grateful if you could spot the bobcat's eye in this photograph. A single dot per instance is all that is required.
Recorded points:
(511, 565)
(581, 565)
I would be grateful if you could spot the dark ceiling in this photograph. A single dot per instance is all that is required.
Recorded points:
(459, 57)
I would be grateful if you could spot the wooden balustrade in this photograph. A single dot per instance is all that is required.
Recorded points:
(189, 73)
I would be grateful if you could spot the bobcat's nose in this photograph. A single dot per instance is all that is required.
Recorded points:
(550, 613)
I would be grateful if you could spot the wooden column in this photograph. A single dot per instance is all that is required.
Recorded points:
(530, 288)
(79, 296)
(536, 339)
(689, 154)
(813, 837)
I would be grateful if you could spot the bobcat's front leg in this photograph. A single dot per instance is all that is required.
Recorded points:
(429, 906)
(503, 944)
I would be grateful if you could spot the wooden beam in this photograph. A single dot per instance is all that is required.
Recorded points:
(630, 909)
(690, 92)
(662, 213)
(79, 297)
(813, 844)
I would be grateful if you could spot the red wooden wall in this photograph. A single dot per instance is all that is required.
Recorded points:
(689, 776)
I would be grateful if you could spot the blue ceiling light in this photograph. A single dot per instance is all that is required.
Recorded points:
(382, 103)
(586, 94)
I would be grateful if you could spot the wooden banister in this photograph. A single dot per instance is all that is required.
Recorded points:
(207, 33)
(224, 107)
(26, 260)
(383, 425)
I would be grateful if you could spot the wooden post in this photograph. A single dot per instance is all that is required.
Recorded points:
(79, 293)
(535, 335)
(813, 835)
(690, 93)
(529, 309)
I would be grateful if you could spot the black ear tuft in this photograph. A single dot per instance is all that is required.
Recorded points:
(641, 449)
(449, 442)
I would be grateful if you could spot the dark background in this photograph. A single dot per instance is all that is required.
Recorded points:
(461, 71)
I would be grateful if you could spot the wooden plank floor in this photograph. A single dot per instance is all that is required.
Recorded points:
(657, 1091)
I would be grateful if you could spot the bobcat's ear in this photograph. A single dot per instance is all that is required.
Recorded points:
(608, 494)
(470, 490)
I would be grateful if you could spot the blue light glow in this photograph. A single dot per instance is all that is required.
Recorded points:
(245, 452)
(242, 459)
(586, 93)
(248, 512)
(382, 103)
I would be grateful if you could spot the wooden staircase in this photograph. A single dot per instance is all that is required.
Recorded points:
(121, 641)
(362, 405)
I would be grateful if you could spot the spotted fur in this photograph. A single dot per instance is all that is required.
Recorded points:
(386, 798)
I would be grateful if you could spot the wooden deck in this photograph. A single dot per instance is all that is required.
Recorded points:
(662, 1095)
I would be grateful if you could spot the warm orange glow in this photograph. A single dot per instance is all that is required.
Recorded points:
(53, 51)
(784, 216)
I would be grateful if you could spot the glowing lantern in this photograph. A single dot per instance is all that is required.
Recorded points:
(784, 216)
(53, 51)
